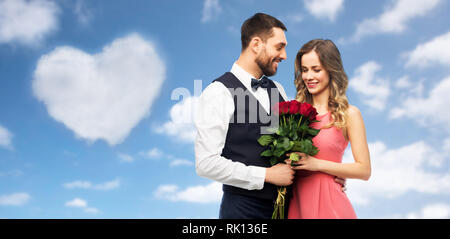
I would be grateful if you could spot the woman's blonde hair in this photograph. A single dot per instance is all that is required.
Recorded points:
(330, 58)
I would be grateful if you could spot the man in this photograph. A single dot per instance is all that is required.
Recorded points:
(232, 113)
(226, 149)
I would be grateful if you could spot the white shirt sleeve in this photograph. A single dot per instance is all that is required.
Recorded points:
(215, 108)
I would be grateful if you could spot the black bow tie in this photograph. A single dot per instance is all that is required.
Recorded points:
(264, 83)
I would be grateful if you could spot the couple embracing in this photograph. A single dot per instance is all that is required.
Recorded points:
(226, 146)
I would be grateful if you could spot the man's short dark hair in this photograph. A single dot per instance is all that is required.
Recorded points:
(260, 25)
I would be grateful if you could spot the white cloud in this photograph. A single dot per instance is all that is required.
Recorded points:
(294, 18)
(153, 153)
(88, 185)
(324, 8)
(436, 51)
(446, 146)
(80, 203)
(234, 30)
(78, 184)
(15, 199)
(27, 21)
(211, 193)
(292, 21)
(76, 202)
(398, 171)
(101, 96)
(211, 8)
(432, 211)
(156, 154)
(91, 210)
(406, 88)
(395, 17)
(107, 185)
(181, 162)
(12, 173)
(427, 111)
(373, 90)
(181, 125)
(84, 15)
(403, 83)
(125, 158)
(5, 138)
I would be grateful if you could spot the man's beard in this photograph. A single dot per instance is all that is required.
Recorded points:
(265, 64)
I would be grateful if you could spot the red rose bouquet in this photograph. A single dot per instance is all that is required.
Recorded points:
(292, 135)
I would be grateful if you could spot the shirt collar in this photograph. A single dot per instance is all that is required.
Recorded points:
(243, 75)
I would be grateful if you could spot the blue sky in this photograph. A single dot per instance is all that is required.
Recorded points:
(96, 101)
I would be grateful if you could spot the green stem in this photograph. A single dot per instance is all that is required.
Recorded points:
(290, 122)
(299, 122)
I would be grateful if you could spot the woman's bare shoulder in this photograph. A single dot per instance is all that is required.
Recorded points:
(353, 113)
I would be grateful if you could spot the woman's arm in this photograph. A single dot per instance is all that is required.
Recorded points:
(361, 168)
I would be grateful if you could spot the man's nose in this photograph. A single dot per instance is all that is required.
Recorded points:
(283, 55)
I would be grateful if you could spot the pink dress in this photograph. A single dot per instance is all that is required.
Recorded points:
(316, 194)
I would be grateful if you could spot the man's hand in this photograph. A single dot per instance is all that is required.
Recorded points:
(342, 182)
(280, 175)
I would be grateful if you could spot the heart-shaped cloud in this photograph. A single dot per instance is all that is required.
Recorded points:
(101, 96)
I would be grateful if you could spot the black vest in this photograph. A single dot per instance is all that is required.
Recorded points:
(245, 129)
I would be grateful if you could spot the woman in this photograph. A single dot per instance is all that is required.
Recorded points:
(321, 81)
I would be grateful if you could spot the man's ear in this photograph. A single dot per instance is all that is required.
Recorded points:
(256, 45)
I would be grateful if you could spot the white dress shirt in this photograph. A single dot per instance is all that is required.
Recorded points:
(215, 108)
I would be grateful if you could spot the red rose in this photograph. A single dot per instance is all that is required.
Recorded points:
(294, 107)
(305, 108)
(283, 108)
(313, 114)
(308, 110)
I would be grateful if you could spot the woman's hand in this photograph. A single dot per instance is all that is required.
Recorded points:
(305, 162)
(310, 163)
